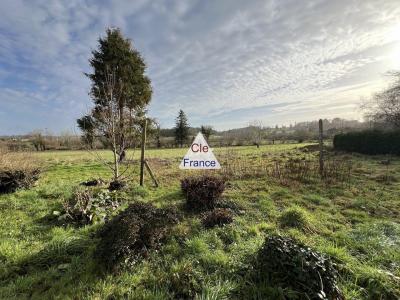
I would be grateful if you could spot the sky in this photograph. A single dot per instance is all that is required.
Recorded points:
(226, 63)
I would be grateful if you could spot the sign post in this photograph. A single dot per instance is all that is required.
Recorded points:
(200, 156)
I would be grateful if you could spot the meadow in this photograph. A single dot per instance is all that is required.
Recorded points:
(352, 218)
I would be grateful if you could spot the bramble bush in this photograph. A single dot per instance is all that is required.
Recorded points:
(217, 217)
(130, 235)
(17, 170)
(292, 266)
(202, 192)
(369, 142)
(86, 207)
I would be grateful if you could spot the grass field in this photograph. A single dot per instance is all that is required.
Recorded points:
(355, 222)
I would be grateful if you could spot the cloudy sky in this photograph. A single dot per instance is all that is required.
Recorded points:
(225, 63)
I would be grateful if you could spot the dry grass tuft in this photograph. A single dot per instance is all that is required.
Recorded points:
(17, 170)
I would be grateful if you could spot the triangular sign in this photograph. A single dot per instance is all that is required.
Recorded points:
(199, 156)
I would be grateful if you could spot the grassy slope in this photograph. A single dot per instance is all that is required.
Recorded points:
(356, 223)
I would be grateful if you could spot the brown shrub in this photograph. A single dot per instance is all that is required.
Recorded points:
(217, 217)
(116, 185)
(93, 182)
(130, 235)
(202, 192)
(17, 170)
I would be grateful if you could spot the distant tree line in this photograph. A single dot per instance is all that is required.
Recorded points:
(253, 134)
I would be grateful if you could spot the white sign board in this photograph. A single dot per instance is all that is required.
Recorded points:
(199, 156)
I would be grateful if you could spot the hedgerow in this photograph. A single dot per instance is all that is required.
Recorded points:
(369, 142)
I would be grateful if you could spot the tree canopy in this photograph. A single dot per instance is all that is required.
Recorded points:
(120, 92)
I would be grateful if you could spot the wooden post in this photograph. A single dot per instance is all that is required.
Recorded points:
(321, 147)
(142, 161)
(151, 173)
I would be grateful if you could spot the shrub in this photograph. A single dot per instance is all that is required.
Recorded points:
(369, 142)
(93, 182)
(85, 208)
(131, 234)
(202, 192)
(284, 263)
(10, 181)
(296, 217)
(17, 170)
(217, 217)
(116, 185)
(306, 171)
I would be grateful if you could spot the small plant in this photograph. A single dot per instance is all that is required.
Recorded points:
(116, 185)
(131, 234)
(85, 208)
(217, 217)
(94, 182)
(296, 217)
(292, 266)
(202, 192)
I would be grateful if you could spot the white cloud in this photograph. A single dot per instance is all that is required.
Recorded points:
(208, 58)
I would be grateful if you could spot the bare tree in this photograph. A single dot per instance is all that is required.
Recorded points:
(38, 140)
(116, 127)
(384, 107)
(256, 132)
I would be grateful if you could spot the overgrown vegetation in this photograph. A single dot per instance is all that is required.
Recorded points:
(301, 272)
(202, 192)
(133, 233)
(17, 170)
(86, 207)
(355, 224)
(217, 217)
(307, 170)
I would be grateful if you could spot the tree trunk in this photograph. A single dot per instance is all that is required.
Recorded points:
(116, 164)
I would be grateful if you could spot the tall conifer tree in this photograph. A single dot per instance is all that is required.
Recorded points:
(181, 129)
(120, 92)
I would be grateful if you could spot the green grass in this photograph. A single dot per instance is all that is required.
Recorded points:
(356, 223)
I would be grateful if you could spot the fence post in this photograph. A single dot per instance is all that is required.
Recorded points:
(142, 152)
(321, 147)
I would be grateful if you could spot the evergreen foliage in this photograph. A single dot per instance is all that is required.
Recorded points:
(120, 92)
(369, 142)
(181, 129)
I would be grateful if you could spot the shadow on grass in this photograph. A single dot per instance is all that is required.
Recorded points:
(65, 262)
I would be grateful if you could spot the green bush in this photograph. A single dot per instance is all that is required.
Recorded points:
(202, 192)
(369, 142)
(282, 262)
